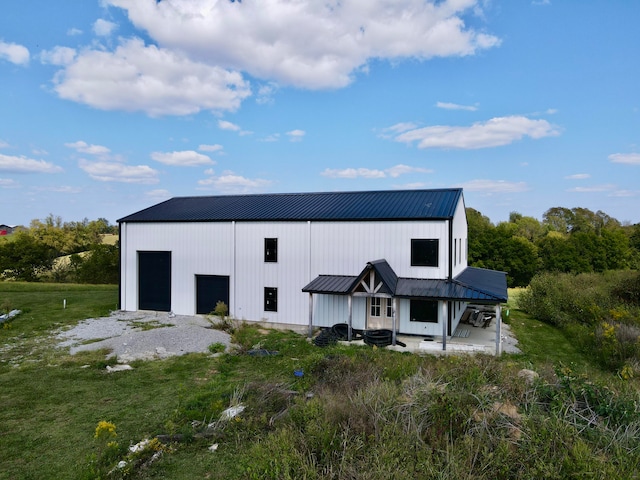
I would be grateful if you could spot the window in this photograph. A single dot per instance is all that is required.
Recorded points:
(424, 252)
(375, 306)
(389, 307)
(270, 299)
(424, 311)
(455, 250)
(270, 249)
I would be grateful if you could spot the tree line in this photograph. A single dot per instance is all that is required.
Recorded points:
(38, 253)
(575, 240)
(566, 240)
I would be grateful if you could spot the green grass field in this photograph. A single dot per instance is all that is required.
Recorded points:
(356, 413)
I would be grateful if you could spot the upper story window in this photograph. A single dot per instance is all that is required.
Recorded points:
(424, 252)
(270, 249)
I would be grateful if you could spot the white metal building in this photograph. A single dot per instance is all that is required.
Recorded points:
(382, 259)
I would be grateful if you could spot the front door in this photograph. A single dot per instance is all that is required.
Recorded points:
(379, 313)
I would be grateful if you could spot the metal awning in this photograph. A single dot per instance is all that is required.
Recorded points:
(473, 284)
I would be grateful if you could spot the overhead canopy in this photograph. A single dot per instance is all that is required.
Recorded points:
(476, 285)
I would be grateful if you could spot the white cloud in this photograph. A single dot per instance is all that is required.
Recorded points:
(60, 189)
(309, 44)
(84, 147)
(154, 80)
(353, 173)
(400, 169)
(492, 133)
(72, 32)
(23, 164)
(8, 183)
(593, 189)
(624, 193)
(103, 28)
(118, 172)
(455, 106)
(3, 144)
(186, 158)
(578, 176)
(158, 194)
(393, 172)
(266, 93)
(224, 125)
(229, 182)
(14, 53)
(58, 56)
(296, 135)
(627, 158)
(211, 148)
(274, 137)
(494, 186)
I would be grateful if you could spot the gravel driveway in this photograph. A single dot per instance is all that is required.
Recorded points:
(143, 335)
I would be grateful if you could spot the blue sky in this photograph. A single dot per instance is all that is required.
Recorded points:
(111, 106)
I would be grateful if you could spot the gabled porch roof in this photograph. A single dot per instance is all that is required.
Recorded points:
(478, 285)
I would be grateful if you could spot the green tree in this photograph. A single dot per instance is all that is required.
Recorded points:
(25, 258)
(100, 265)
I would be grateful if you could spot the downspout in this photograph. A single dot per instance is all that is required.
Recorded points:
(498, 329)
(233, 228)
(451, 252)
(310, 314)
(121, 277)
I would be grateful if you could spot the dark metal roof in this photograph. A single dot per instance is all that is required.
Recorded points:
(473, 284)
(335, 284)
(368, 205)
(386, 274)
(492, 283)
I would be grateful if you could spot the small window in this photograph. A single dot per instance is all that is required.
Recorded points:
(424, 252)
(424, 311)
(270, 249)
(270, 299)
(375, 306)
(455, 251)
(389, 307)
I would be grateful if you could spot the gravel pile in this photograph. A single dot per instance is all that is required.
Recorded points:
(143, 335)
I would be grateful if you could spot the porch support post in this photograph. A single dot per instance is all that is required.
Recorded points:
(310, 314)
(350, 322)
(394, 322)
(498, 329)
(444, 330)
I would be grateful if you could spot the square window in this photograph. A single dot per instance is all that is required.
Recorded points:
(424, 252)
(270, 249)
(375, 306)
(270, 299)
(424, 311)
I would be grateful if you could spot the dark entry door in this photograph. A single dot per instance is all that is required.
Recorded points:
(154, 281)
(211, 289)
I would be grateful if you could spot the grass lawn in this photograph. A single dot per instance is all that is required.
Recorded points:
(51, 403)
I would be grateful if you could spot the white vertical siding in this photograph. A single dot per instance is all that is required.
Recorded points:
(420, 328)
(460, 233)
(196, 249)
(289, 274)
(344, 248)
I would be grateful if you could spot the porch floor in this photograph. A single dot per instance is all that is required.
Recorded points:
(466, 338)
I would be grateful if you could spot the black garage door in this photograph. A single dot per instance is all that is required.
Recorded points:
(154, 281)
(211, 289)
